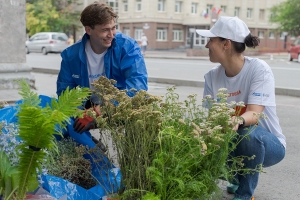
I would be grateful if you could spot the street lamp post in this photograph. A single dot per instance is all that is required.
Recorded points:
(192, 31)
(285, 34)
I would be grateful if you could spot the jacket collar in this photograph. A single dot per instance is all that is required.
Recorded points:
(82, 54)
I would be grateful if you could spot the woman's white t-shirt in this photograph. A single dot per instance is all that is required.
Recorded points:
(253, 85)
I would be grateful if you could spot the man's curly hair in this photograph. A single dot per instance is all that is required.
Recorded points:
(97, 14)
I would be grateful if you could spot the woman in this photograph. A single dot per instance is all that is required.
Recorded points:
(251, 81)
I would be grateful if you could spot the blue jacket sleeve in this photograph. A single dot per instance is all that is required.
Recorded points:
(64, 78)
(134, 68)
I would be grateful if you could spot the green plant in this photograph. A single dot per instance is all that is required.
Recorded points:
(8, 177)
(170, 150)
(69, 164)
(134, 125)
(37, 129)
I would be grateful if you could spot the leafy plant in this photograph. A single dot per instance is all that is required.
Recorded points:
(8, 177)
(134, 125)
(69, 164)
(170, 150)
(37, 129)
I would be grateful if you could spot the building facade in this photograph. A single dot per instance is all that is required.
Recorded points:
(171, 24)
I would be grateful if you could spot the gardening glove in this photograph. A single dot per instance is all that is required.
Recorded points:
(87, 122)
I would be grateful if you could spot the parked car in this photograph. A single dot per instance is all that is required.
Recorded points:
(294, 50)
(47, 42)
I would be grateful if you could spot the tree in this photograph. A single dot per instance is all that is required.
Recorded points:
(40, 16)
(52, 15)
(287, 15)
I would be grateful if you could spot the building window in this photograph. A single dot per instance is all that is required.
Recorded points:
(138, 5)
(237, 11)
(271, 35)
(161, 34)
(261, 34)
(178, 6)
(113, 4)
(126, 31)
(209, 8)
(249, 13)
(177, 35)
(262, 14)
(223, 9)
(138, 33)
(125, 5)
(161, 5)
(194, 8)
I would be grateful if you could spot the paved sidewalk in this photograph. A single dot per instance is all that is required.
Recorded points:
(181, 54)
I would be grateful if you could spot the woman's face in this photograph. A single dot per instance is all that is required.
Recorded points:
(216, 49)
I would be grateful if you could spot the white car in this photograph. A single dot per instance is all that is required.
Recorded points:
(47, 42)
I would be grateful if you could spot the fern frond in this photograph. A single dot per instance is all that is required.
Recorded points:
(37, 128)
(29, 161)
(29, 97)
(69, 100)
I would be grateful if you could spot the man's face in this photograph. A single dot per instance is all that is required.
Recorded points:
(101, 36)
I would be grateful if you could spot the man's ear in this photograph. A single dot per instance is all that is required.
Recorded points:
(88, 30)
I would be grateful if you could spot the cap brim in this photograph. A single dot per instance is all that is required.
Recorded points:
(205, 33)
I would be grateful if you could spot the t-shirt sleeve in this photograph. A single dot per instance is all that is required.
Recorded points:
(207, 90)
(262, 87)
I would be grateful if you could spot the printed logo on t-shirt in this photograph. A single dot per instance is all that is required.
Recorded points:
(233, 94)
(95, 76)
(257, 94)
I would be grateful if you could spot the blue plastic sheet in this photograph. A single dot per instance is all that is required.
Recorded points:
(108, 177)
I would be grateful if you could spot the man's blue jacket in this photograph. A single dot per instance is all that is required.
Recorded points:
(123, 62)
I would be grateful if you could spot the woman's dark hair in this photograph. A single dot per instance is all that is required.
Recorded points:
(97, 14)
(250, 41)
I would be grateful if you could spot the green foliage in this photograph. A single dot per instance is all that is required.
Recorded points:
(134, 126)
(172, 149)
(69, 164)
(8, 177)
(40, 16)
(287, 15)
(50, 15)
(37, 127)
(150, 196)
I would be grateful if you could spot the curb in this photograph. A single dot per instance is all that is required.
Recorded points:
(294, 92)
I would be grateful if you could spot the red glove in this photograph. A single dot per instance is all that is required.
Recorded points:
(86, 123)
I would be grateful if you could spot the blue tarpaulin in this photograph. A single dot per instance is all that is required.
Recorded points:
(107, 176)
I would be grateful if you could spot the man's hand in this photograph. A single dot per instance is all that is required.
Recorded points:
(87, 122)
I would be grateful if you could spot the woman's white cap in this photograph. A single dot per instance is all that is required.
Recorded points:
(231, 28)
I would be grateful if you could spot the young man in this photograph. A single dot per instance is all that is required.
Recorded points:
(102, 51)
